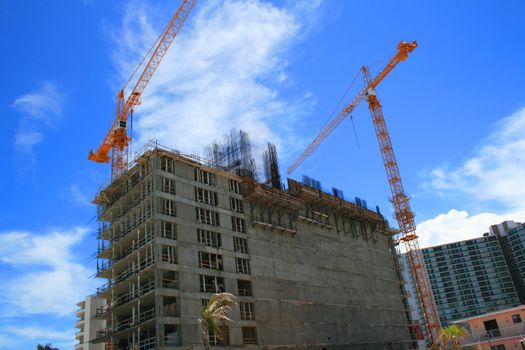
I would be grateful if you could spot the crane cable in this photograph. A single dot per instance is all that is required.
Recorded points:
(336, 108)
(142, 61)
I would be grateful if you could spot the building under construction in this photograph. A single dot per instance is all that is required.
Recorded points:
(311, 270)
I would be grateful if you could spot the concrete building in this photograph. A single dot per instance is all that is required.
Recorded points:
(474, 277)
(500, 330)
(467, 278)
(512, 239)
(310, 270)
(87, 324)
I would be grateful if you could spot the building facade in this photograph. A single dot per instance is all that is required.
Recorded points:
(310, 270)
(512, 239)
(87, 324)
(474, 277)
(500, 330)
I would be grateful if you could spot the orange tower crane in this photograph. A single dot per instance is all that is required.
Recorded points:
(403, 212)
(117, 138)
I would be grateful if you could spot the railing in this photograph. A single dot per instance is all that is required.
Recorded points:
(170, 258)
(140, 219)
(171, 340)
(126, 323)
(143, 264)
(103, 209)
(170, 283)
(494, 334)
(245, 292)
(147, 344)
(125, 298)
(148, 237)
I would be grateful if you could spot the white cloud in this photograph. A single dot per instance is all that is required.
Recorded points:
(77, 197)
(493, 176)
(457, 226)
(27, 140)
(39, 109)
(44, 277)
(36, 332)
(225, 70)
(44, 103)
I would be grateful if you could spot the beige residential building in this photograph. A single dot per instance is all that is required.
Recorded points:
(87, 324)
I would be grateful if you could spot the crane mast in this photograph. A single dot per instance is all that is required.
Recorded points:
(403, 49)
(403, 212)
(117, 139)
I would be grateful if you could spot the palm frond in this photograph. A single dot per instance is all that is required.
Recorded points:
(216, 311)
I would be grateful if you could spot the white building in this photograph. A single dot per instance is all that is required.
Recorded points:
(87, 324)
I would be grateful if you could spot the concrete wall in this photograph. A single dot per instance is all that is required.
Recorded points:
(321, 278)
(314, 289)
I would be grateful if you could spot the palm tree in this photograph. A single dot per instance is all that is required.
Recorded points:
(450, 337)
(215, 311)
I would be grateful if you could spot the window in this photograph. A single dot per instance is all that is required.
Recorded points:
(236, 205)
(169, 307)
(205, 177)
(206, 216)
(212, 284)
(243, 265)
(170, 279)
(516, 318)
(244, 288)
(240, 245)
(234, 186)
(167, 164)
(249, 336)
(171, 335)
(238, 224)
(167, 185)
(169, 254)
(246, 311)
(210, 261)
(205, 196)
(168, 230)
(167, 207)
(497, 347)
(209, 238)
(223, 339)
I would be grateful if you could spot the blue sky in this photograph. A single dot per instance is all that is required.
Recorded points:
(455, 111)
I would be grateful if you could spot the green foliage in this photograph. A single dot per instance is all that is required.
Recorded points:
(450, 337)
(215, 311)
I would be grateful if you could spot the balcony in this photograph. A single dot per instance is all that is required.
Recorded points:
(103, 266)
(125, 298)
(124, 324)
(80, 324)
(517, 330)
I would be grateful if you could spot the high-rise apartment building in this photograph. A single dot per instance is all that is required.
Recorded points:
(310, 270)
(476, 276)
(512, 239)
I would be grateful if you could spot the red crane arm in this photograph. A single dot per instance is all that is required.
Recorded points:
(124, 108)
(403, 49)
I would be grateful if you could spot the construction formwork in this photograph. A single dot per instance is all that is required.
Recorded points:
(175, 229)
